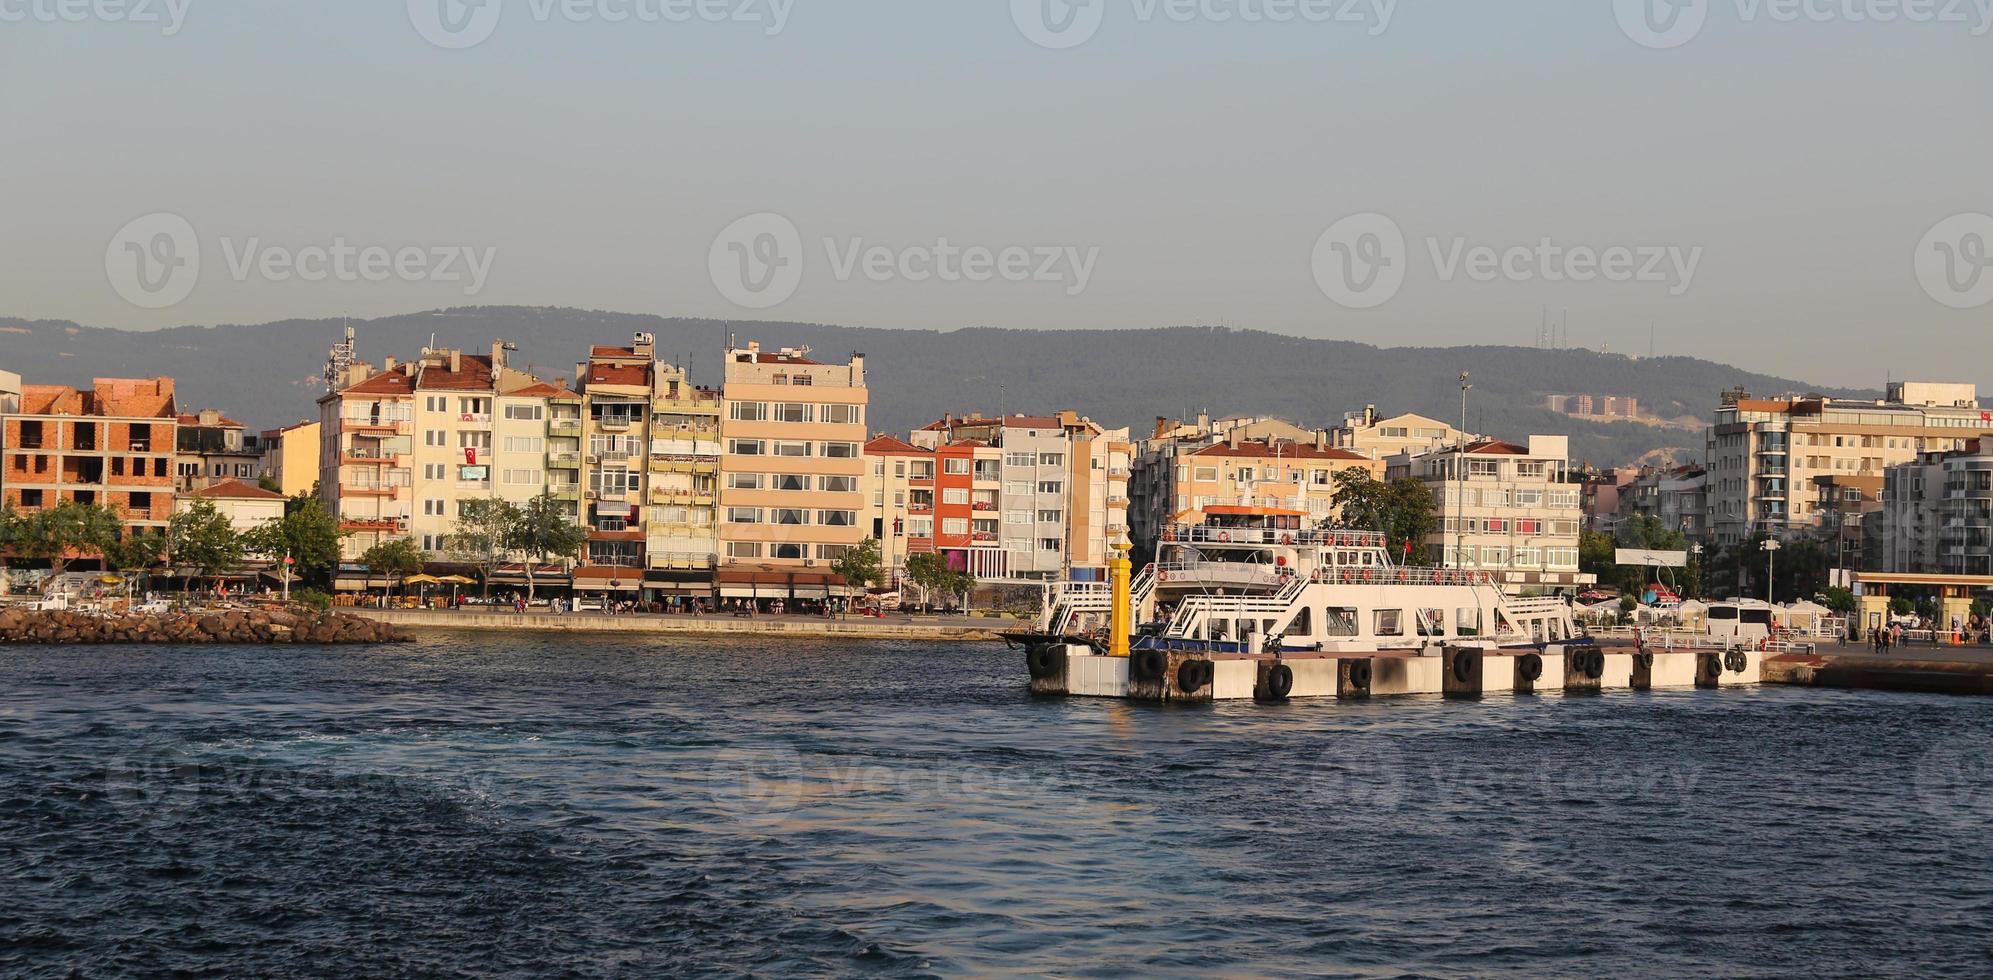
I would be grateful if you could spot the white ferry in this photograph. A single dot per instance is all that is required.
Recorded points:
(1258, 581)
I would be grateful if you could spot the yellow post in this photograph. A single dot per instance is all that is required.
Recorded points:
(1118, 618)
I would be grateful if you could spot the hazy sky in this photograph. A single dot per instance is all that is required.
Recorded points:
(1173, 168)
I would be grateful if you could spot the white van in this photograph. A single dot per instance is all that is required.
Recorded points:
(1745, 620)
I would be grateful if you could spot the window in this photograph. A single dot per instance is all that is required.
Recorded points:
(837, 518)
(1051, 459)
(955, 496)
(1051, 516)
(433, 508)
(1049, 544)
(1018, 488)
(1017, 518)
(792, 551)
(612, 480)
(743, 515)
(788, 481)
(843, 414)
(955, 467)
(743, 549)
(531, 445)
(1529, 527)
(795, 412)
(435, 437)
(747, 447)
(434, 471)
(956, 526)
(840, 484)
(525, 413)
(789, 515)
(523, 478)
(1388, 622)
(744, 481)
(832, 552)
(1019, 459)
(794, 449)
(1205, 474)
(1051, 486)
(436, 403)
(840, 450)
(473, 440)
(749, 411)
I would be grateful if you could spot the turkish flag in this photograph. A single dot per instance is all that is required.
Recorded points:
(470, 456)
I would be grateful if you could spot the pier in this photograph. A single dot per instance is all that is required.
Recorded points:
(949, 629)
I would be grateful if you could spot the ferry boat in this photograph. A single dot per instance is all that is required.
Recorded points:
(1252, 580)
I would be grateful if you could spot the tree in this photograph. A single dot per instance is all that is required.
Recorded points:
(1839, 600)
(860, 565)
(204, 537)
(68, 530)
(962, 584)
(542, 531)
(1403, 511)
(930, 573)
(1362, 503)
(395, 558)
(483, 535)
(136, 554)
(306, 533)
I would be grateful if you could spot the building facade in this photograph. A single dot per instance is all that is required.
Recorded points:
(290, 457)
(1506, 509)
(214, 448)
(793, 434)
(367, 454)
(113, 445)
(1764, 454)
(1935, 516)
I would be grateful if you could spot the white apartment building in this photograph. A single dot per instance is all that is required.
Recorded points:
(1505, 509)
(1936, 515)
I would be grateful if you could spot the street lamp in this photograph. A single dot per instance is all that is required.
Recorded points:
(1771, 551)
(1695, 555)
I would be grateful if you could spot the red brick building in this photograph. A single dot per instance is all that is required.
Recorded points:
(113, 444)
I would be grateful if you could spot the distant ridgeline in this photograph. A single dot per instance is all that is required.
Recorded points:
(267, 374)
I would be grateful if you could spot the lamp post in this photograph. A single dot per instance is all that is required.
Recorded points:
(1695, 576)
(1460, 482)
(1771, 551)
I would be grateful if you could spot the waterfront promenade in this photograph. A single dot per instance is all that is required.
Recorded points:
(899, 627)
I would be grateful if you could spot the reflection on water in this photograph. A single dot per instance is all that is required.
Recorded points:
(616, 806)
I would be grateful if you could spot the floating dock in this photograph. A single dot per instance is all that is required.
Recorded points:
(1080, 670)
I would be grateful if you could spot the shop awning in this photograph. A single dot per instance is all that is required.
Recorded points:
(779, 583)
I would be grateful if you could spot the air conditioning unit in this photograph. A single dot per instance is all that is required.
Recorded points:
(809, 563)
(594, 495)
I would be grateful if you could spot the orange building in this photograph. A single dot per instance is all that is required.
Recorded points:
(113, 444)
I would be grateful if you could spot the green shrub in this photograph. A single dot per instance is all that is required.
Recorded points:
(311, 599)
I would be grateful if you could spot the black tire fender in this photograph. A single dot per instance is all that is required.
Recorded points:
(1045, 661)
(1279, 681)
(1463, 665)
(1645, 659)
(1594, 664)
(1190, 675)
(1149, 665)
(1530, 667)
(1360, 673)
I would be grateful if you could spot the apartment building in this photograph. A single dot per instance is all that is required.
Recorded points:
(10, 392)
(112, 445)
(1504, 508)
(1677, 497)
(1365, 434)
(794, 434)
(213, 448)
(899, 496)
(454, 454)
(1764, 453)
(681, 526)
(366, 458)
(1936, 515)
(246, 505)
(290, 457)
(1177, 481)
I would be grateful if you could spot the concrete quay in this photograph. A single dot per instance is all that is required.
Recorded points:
(947, 629)
(1912, 669)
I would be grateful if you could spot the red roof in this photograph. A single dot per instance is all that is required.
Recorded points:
(630, 375)
(1497, 448)
(473, 374)
(542, 389)
(195, 421)
(394, 382)
(889, 446)
(1282, 450)
(611, 352)
(237, 490)
(779, 358)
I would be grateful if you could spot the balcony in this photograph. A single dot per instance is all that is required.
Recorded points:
(369, 489)
(374, 423)
(564, 461)
(387, 525)
(571, 494)
(671, 561)
(565, 427)
(608, 423)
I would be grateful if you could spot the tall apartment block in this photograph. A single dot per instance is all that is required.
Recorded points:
(794, 435)
(1765, 454)
(1504, 508)
(366, 461)
(112, 445)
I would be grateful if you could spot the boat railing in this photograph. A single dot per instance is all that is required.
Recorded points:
(1387, 575)
(1206, 534)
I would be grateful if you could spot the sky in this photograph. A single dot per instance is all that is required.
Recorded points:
(1793, 186)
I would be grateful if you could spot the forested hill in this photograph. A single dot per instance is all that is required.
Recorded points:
(266, 374)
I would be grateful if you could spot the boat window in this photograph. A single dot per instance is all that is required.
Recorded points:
(1723, 612)
(1304, 624)
(1389, 622)
(1340, 620)
(1432, 622)
(1219, 629)
(1467, 621)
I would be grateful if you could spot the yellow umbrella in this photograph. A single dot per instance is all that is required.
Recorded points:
(422, 580)
(456, 580)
